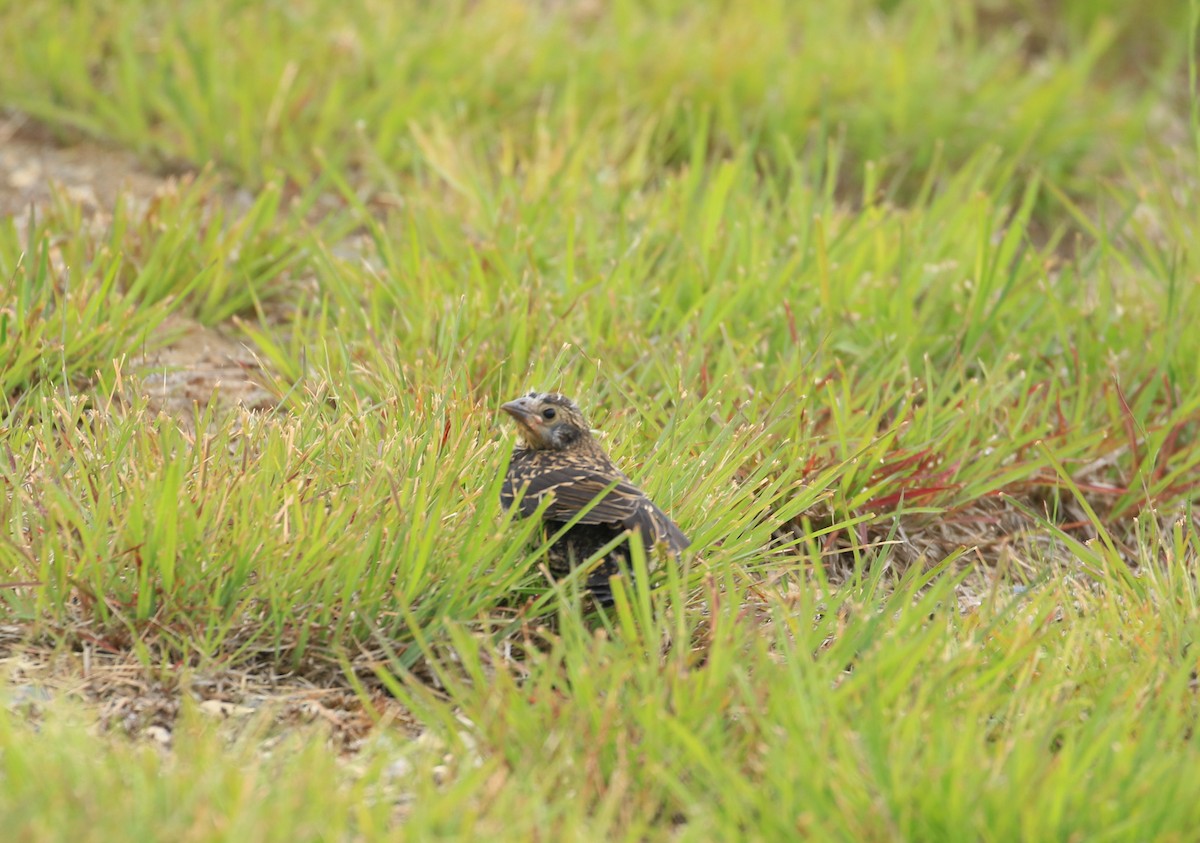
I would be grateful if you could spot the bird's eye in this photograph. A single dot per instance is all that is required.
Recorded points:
(549, 413)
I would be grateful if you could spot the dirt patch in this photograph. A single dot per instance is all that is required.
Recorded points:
(126, 697)
(200, 365)
(34, 163)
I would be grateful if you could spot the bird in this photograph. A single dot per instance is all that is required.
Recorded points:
(556, 454)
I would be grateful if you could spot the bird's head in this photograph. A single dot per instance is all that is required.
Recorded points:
(548, 421)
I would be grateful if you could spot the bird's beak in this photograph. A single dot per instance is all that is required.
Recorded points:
(522, 411)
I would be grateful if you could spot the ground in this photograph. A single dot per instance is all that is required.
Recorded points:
(196, 365)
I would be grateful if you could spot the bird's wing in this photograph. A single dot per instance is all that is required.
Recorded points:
(575, 487)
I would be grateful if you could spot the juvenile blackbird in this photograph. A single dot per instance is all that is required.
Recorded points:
(557, 454)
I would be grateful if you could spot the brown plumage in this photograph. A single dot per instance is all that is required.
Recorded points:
(557, 454)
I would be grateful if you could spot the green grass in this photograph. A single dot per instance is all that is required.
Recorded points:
(891, 305)
(845, 715)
